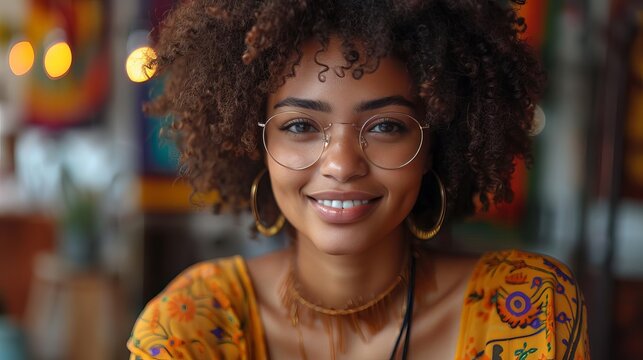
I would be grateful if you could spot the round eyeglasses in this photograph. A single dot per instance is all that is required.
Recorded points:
(296, 140)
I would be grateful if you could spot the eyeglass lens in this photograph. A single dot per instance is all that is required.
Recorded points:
(297, 140)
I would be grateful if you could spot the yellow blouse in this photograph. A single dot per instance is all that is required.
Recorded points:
(518, 305)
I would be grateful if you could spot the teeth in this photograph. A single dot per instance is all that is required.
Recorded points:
(342, 204)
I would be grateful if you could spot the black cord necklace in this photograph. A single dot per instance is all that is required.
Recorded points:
(408, 315)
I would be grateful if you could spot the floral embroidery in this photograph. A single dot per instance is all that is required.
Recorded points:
(517, 309)
(519, 264)
(519, 306)
(539, 312)
(521, 354)
(181, 308)
(536, 282)
(218, 332)
(516, 278)
(475, 296)
(156, 314)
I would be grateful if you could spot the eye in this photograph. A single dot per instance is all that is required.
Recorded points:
(300, 126)
(388, 125)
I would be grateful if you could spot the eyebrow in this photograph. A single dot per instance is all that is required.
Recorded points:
(323, 106)
(385, 101)
(316, 105)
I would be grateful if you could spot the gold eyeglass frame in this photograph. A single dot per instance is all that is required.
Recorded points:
(326, 137)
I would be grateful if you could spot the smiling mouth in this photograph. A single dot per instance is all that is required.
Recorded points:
(342, 204)
(343, 211)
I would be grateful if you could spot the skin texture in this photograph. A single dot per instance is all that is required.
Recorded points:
(435, 324)
(342, 166)
(334, 261)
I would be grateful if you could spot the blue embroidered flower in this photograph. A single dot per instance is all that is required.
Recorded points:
(156, 350)
(218, 332)
(560, 289)
(559, 272)
(536, 282)
(562, 317)
(517, 309)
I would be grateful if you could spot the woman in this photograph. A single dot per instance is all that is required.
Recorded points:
(359, 127)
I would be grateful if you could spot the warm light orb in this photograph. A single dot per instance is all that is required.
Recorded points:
(21, 57)
(58, 60)
(138, 64)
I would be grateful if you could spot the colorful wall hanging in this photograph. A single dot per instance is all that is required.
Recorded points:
(79, 94)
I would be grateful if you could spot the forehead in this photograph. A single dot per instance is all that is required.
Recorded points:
(338, 87)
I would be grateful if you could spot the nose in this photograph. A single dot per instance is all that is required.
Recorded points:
(343, 159)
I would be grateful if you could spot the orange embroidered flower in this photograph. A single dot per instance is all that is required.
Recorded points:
(516, 278)
(517, 309)
(156, 314)
(174, 342)
(181, 307)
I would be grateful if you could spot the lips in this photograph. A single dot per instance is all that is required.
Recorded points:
(343, 207)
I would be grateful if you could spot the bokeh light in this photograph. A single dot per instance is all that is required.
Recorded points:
(58, 60)
(21, 58)
(138, 64)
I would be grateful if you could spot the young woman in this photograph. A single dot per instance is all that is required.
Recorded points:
(358, 127)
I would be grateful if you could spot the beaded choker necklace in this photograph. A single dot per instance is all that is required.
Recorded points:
(358, 314)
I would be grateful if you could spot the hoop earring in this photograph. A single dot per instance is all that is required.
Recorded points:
(428, 234)
(263, 229)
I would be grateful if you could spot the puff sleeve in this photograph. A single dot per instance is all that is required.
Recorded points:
(521, 305)
(207, 312)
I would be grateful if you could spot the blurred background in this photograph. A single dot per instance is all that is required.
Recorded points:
(95, 219)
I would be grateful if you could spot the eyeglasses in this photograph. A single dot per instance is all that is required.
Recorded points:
(297, 140)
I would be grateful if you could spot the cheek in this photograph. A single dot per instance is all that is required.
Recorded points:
(409, 189)
(405, 185)
(286, 186)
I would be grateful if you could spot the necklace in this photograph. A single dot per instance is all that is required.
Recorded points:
(408, 315)
(372, 314)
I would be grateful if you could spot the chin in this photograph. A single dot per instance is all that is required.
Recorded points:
(342, 244)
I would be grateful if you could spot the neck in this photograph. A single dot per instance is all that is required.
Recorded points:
(334, 280)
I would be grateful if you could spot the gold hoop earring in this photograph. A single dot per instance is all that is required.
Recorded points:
(428, 234)
(263, 229)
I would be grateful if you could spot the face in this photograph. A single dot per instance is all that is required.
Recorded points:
(374, 201)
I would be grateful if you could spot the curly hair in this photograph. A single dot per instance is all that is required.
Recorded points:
(477, 79)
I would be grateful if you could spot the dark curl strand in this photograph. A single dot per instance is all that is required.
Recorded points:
(477, 79)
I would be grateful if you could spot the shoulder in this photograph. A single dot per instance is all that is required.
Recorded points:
(522, 302)
(202, 313)
(516, 263)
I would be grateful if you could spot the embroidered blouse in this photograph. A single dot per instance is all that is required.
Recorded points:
(518, 305)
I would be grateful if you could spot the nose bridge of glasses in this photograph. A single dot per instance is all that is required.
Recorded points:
(339, 134)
